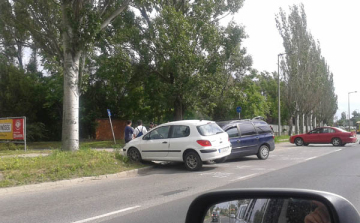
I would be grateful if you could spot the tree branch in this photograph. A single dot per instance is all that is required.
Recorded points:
(146, 17)
(114, 14)
(106, 4)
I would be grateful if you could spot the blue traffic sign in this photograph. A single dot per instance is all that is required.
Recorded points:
(238, 109)
(109, 113)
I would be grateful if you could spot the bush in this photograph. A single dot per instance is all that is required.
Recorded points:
(35, 131)
(9, 146)
(120, 157)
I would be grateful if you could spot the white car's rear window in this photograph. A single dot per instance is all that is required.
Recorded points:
(209, 129)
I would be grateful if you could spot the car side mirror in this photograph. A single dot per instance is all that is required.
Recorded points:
(271, 205)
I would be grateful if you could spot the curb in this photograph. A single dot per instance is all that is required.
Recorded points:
(71, 182)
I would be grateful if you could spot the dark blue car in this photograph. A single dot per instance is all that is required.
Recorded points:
(249, 137)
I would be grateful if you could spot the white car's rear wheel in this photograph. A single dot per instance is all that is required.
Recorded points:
(192, 161)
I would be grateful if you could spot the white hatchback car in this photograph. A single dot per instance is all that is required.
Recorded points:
(188, 141)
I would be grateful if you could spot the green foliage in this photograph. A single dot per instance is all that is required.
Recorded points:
(308, 81)
(9, 146)
(178, 63)
(283, 138)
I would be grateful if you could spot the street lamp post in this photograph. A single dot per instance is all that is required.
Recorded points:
(279, 124)
(349, 106)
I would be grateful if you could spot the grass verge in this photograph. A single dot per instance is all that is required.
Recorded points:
(91, 144)
(279, 139)
(61, 165)
(46, 147)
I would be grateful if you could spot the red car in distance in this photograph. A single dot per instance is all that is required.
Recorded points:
(324, 135)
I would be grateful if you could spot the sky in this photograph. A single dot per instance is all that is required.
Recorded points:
(335, 24)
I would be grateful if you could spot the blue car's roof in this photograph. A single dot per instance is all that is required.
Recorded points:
(231, 123)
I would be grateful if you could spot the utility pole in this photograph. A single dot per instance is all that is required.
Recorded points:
(349, 106)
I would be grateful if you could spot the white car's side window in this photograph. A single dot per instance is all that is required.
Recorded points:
(180, 131)
(160, 133)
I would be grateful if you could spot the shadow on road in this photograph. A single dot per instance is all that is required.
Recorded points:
(174, 168)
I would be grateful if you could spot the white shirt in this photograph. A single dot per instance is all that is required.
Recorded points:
(139, 129)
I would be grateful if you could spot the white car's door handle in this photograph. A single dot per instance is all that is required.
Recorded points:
(164, 142)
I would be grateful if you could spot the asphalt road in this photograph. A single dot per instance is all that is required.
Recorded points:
(164, 194)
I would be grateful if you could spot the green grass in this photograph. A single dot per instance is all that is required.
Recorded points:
(11, 148)
(279, 139)
(61, 165)
(90, 144)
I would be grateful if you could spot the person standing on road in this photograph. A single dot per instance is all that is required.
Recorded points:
(128, 131)
(140, 130)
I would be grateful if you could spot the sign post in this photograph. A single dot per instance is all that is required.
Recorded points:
(13, 128)
(112, 130)
(238, 110)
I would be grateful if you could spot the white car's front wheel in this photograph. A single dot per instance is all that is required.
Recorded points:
(134, 154)
(192, 161)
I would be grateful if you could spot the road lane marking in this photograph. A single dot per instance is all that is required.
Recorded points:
(107, 214)
(240, 167)
(337, 150)
(311, 158)
(244, 177)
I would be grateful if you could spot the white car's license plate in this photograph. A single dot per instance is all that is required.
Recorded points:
(223, 150)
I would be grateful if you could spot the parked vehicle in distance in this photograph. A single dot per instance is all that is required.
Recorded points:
(215, 216)
(324, 135)
(358, 127)
(249, 137)
(188, 141)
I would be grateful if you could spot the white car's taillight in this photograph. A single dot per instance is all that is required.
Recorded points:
(204, 142)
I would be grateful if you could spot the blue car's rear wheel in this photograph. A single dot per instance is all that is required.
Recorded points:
(264, 152)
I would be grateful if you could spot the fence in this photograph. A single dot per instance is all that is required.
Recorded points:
(285, 129)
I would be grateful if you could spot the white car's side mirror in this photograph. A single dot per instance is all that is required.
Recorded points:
(272, 205)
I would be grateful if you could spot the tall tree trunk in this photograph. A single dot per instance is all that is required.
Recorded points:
(306, 123)
(20, 54)
(311, 121)
(178, 113)
(70, 128)
(315, 122)
(301, 123)
(290, 125)
(296, 123)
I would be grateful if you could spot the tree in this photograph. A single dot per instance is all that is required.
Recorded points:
(309, 88)
(185, 49)
(65, 30)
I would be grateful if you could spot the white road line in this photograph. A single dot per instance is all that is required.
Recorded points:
(105, 215)
(240, 167)
(311, 158)
(244, 177)
(337, 150)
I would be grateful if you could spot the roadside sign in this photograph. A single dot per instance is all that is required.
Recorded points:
(112, 129)
(13, 128)
(238, 110)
